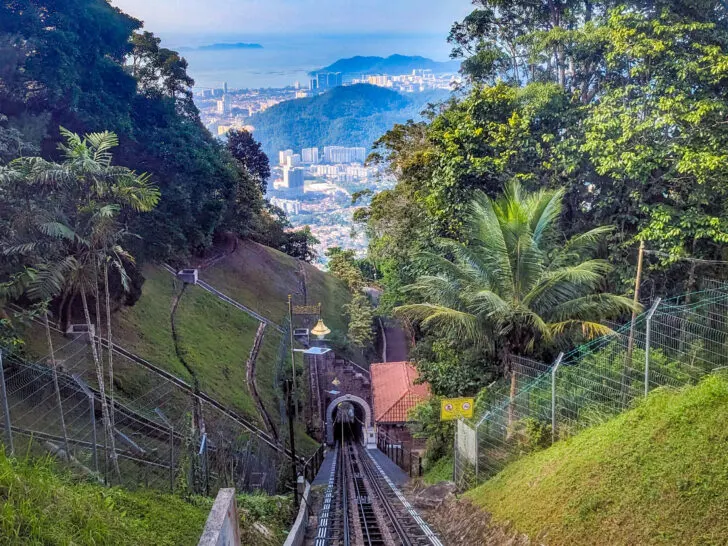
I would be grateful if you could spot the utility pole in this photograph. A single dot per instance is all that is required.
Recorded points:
(630, 342)
(294, 470)
(293, 353)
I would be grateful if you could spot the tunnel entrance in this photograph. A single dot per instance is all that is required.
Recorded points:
(356, 416)
(348, 418)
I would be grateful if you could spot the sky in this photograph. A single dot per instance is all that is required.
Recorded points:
(297, 16)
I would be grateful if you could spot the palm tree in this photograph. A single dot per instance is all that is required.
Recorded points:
(514, 283)
(80, 235)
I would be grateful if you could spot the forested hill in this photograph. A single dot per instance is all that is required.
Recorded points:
(393, 65)
(353, 116)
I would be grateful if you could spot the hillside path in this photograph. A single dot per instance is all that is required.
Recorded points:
(252, 384)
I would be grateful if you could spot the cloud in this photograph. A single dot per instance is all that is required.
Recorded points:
(281, 16)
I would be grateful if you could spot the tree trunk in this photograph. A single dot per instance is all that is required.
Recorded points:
(54, 367)
(100, 347)
(102, 390)
(108, 342)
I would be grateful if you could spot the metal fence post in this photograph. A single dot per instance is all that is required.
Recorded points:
(648, 332)
(476, 455)
(171, 446)
(555, 368)
(6, 408)
(92, 408)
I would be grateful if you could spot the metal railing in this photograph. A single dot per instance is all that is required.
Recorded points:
(403, 456)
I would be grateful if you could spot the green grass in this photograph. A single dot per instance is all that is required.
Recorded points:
(215, 337)
(439, 472)
(261, 278)
(39, 505)
(657, 474)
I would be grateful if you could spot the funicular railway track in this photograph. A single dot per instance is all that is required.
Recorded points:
(365, 508)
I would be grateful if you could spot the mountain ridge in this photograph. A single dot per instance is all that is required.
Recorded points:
(353, 115)
(392, 65)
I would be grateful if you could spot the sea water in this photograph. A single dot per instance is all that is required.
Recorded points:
(286, 59)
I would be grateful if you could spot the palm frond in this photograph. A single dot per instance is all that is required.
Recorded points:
(589, 330)
(450, 322)
(593, 306)
(545, 211)
(566, 283)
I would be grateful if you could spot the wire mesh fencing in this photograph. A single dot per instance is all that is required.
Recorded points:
(671, 344)
(167, 434)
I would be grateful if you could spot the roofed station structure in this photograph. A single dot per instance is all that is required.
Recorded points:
(395, 392)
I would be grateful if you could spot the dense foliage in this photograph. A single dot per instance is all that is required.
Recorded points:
(344, 265)
(82, 64)
(348, 116)
(620, 106)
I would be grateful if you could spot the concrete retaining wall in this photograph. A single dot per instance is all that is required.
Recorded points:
(298, 531)
(223, 523)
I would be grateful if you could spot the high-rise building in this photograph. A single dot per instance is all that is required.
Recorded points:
(342, 154)
(310, 156)
(293, 180)
(327, 80)
(224, 105)
(283, 156)
(224, 88)
(293, 160)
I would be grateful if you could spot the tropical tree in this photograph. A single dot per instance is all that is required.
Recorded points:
(73, 237)
(514, 283)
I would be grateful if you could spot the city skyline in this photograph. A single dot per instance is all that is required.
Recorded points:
(307, 16)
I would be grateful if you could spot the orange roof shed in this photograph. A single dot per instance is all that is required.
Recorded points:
(394, 391)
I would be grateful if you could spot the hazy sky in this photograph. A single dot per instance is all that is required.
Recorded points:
(300, 16)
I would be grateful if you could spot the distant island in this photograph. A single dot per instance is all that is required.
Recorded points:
(222, 47)
(392, 65)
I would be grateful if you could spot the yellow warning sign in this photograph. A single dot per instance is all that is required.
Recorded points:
(454, 408)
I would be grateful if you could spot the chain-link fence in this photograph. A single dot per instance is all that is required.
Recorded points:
(672, 343)
(167, 434)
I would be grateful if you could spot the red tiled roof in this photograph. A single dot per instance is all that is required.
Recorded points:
(394, 391)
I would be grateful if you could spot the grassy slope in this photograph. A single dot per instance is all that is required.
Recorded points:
(439, 472)
(655, 475)
(39, 505)
(215, 337)
(262, 278)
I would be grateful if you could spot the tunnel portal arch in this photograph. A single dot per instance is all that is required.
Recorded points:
(330, 415)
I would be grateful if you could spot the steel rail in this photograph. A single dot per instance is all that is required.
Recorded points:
(344, 499)
(384, 501)
(363, 513)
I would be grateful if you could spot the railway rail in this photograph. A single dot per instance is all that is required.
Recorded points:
(362, 506)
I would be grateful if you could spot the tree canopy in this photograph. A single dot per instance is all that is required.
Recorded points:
(618, 106)
(85, 65)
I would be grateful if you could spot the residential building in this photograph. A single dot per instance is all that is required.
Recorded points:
(310, 156)
(293, 180)
(327, 80)
(293, 160)
(283, 156)
(342, 154)
(224, 105)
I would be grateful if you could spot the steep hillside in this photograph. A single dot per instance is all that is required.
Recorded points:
(354, 116)
(44, 506)
(654, 475)
(214, 337)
